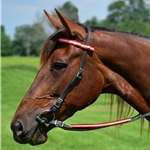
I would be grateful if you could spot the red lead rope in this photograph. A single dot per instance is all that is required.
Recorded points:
(99, 125)
(87, 127)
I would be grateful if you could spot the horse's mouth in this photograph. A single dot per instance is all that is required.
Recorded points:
(39, 136)
(35, 136)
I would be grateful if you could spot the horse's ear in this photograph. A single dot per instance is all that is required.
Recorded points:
(55, 22)
(73, 28)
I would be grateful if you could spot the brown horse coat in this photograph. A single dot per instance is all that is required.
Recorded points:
(120, 65)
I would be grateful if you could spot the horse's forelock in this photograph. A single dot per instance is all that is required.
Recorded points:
(49, 45)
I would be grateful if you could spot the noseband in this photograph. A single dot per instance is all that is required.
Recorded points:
(60, 100)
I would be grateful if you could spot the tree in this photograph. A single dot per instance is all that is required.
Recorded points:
(92, 22)
(28, 39)
(22, 40)
(70, 11)
(67, 9)
(5, 43)
(39, 36)
(129, 15)
(126, 15)
(133, 10)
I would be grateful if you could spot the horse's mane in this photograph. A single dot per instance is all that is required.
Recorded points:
(117, 31)
(123, 110)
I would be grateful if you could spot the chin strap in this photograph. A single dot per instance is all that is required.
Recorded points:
(87, 127)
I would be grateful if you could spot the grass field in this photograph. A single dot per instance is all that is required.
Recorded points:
(16, 60)
(16, 82)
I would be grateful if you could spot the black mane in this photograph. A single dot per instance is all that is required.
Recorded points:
(114, 30)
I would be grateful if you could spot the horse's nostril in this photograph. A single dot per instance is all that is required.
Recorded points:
(17, 128)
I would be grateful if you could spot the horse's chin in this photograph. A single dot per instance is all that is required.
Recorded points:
(39, 137)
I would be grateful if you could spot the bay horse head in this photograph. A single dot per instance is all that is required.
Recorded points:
(60, 63)
(64, 56)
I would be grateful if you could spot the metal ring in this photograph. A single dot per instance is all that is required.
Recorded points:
(41, 120)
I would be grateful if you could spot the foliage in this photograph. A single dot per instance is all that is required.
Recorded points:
(127, 15)
(69, 10)
(124, 15)
(5, 43)
(92, 22)
(28, 39)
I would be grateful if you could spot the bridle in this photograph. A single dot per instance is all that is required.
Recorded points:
(60, 100)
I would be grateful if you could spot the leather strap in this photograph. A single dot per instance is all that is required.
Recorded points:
(78, 76)
(61, 98)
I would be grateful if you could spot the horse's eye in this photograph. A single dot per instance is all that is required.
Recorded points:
(59, 66)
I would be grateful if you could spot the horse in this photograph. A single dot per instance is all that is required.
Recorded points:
(79, 63)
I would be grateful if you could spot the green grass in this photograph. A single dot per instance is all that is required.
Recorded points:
(16, 60)
(16, 82)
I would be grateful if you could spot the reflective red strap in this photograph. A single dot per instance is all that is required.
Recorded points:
(87, 127)
(98, 125)
(76, 43)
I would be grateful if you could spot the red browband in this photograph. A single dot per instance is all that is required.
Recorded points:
(76, 43)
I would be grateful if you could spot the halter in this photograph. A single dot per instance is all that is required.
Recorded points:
(60, 100)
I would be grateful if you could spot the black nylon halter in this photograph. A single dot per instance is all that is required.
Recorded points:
(61, 98)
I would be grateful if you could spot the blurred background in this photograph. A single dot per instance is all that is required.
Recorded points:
(25, 27)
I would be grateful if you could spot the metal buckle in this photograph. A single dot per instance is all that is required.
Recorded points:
(79, 73)
(58, 102)
(59, 123)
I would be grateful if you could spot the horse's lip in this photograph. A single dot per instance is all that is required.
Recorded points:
(25, 137)
(35, 136)
(39, 137)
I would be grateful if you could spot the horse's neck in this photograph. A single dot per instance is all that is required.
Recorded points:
(125, 57)
(118, 49)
